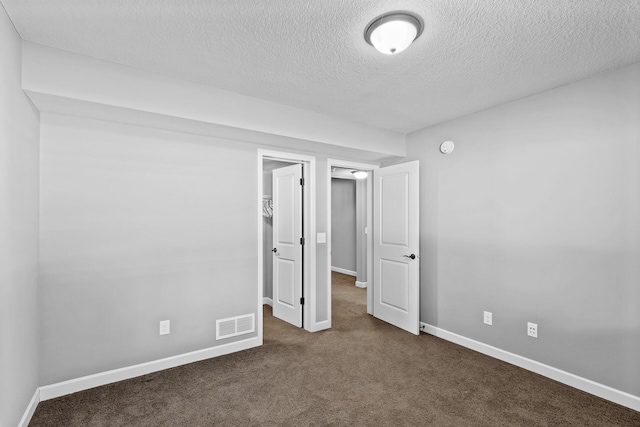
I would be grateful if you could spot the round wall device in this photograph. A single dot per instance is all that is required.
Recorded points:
(447, 147)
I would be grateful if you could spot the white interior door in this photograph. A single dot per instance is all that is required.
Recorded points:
(287, 244)
(396, 265)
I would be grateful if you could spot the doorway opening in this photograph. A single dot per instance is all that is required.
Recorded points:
(304, 287)
(349, 218)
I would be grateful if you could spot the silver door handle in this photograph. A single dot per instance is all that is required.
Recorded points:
(412, 256)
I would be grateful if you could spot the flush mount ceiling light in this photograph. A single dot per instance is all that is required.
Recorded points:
(360, 174)
(393, 32)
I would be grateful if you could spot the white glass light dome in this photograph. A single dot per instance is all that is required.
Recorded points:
(392, 33)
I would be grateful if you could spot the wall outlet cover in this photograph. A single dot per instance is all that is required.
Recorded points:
(165, 327)
(532, 329)
(488, 318)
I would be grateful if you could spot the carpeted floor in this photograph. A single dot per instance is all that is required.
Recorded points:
(361, 372)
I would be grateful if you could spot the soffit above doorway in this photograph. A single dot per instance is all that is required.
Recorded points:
(312, 55)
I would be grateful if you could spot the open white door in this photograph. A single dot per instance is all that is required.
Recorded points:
(396, 267)
(287, 244)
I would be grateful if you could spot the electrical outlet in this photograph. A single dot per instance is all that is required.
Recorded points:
(165, 327)
(532, 329)
(488, 318)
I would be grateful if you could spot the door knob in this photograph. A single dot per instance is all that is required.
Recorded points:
(274, 250)
(412, 256)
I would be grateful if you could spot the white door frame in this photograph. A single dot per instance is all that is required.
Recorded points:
(331, 163)
(309, 229)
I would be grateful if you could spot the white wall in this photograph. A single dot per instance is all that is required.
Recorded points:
(137, 226)
(19, 133)
(343, 224)
(536, 217)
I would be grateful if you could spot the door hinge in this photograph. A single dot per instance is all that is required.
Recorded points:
(302, 301)
(302, 240)
(301, 181)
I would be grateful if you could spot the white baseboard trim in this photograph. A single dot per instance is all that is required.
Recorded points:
(28, 413)
(268, 301)
(90, 381)
(361, 284)
(586, 385)
(344, 271)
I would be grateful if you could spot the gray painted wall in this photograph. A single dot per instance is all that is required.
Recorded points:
(322, 262)
(141, 225)
(343, 224)
(138, 226)
(19, 161)
(536, 217)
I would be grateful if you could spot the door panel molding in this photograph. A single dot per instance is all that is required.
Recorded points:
(396, 247)
(399, 300)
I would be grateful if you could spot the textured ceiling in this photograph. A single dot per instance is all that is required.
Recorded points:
(311, 54)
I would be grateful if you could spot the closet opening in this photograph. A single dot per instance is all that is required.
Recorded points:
(286, 257)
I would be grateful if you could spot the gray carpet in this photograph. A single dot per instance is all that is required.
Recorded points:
(361, 372)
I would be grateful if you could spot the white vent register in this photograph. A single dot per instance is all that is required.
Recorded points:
(234, 326)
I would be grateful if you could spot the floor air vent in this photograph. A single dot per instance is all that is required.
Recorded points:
(234, 326)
